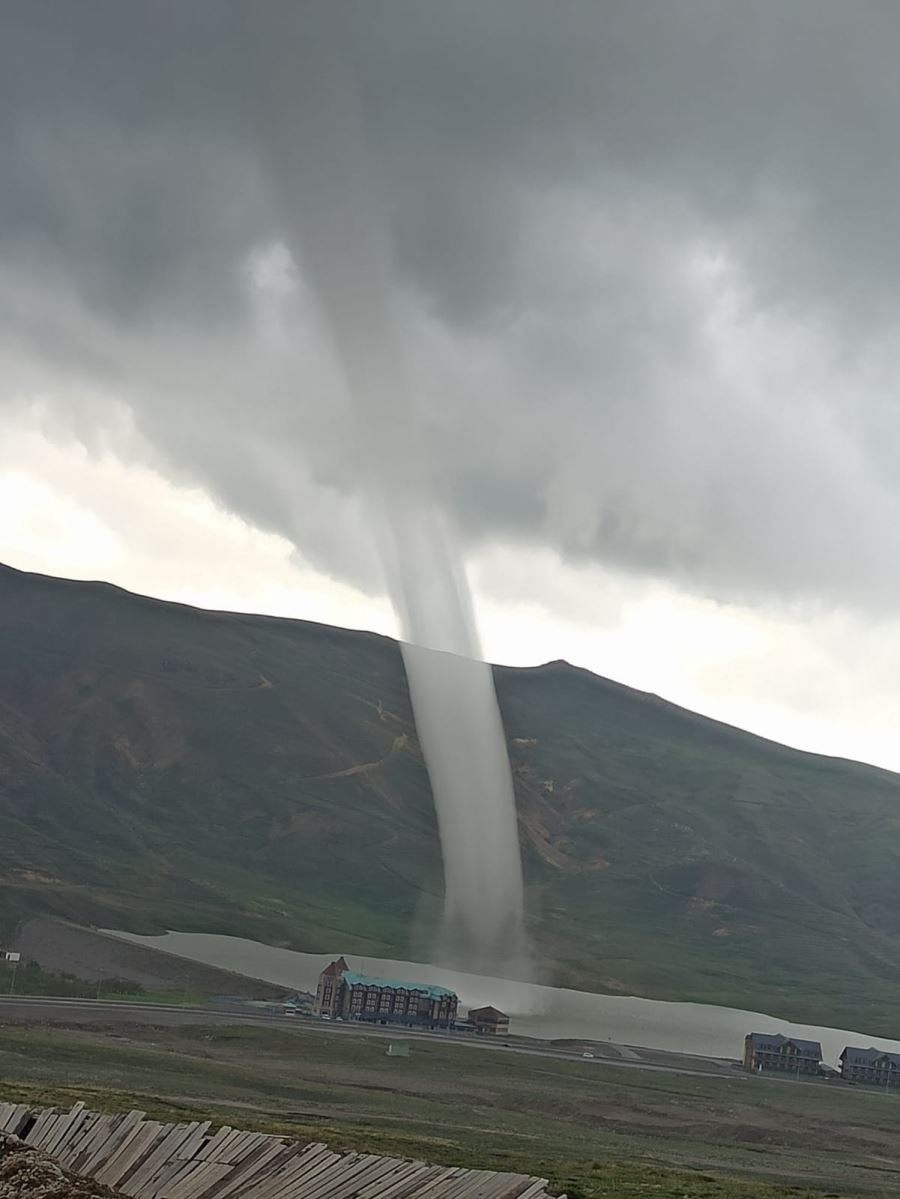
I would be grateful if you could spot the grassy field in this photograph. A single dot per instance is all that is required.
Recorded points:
(593, 1130)
(28, 978)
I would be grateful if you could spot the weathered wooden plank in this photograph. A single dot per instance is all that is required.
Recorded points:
(401, 1174)
(284, 1181)
(173, 1137)
(320, 1180)
(450, 1184)
(471, 1186)
(169, 1137)
(500, 1186)
(508, 1186)
(298, 1173)
(17, 1119)
(200, 1175)
(45, 1118)
(330, 1179)
(74, 1134)
(308, 1164)
(52, 1130)
(169, 1177)
(348, 1181)
(467, 1187)
(229, 1145)
(131, 1154)
(99, 1131)
(292, 1165)
(251, 1169)
(377, 1171)
(217, 1139)
(103, 1150)
(536, 1189)
(420, 1182)
(136, 1165)
(42, 1126)
(238, 1149)
(204, 1175)
(123, 1144)
(183, 1174)
(194, 1141)
(438, 1184)
(274, 1168)
(233, 1147)
(62, 1126)
(128, 1149)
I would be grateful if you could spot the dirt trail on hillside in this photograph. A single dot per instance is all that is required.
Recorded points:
(399, 744)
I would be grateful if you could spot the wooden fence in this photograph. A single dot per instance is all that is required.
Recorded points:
(151, 1160)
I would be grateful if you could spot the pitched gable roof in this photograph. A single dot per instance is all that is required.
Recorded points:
(855, 1056)
(336, 968)
(775, 1043)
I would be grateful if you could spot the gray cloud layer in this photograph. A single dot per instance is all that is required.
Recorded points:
(646, 258)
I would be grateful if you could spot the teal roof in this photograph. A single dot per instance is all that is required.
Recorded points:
(353, 978)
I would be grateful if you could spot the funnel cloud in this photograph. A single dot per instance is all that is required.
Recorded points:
(314, 152)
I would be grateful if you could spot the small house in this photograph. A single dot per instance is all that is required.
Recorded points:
(489, 1020)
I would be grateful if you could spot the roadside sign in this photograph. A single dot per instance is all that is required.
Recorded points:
(12, 957)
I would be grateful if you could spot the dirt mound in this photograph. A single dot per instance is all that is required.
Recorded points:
(26, 1173)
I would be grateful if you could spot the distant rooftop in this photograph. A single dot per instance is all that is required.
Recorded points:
(774, 1041)
(868, 1057)
(354, 978)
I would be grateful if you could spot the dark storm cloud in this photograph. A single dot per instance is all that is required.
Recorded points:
(648, 256)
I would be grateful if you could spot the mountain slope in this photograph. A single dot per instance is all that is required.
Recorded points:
(162, 766)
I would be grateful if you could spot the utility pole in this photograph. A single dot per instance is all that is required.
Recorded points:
(12, 981)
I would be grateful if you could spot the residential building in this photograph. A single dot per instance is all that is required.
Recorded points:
(771, 1051)
(489, 1020)
(873, 1066)
(345, 994)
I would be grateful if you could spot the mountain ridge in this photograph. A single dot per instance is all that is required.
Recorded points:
(549, 665)
(163, 765)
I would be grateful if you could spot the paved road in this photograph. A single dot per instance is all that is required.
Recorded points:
(93, 1012)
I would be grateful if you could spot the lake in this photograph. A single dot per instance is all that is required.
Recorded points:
(535, 1011)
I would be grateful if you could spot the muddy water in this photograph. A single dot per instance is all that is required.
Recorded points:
(535, 1010)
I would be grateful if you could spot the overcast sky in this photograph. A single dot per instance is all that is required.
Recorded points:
(644, 260)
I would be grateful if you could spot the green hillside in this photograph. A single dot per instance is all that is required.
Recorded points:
(166, 767)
